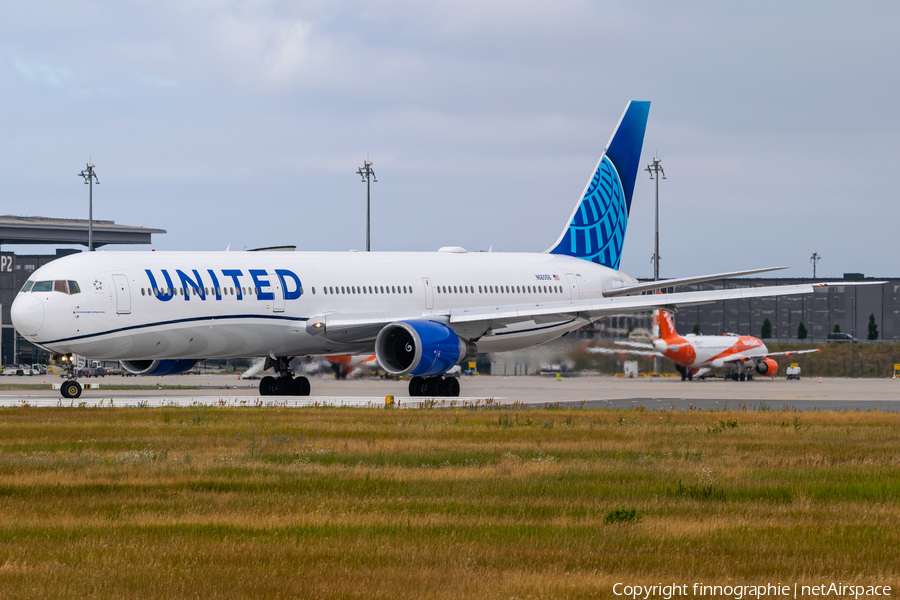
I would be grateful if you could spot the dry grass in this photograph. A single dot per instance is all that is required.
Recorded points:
(337, 503)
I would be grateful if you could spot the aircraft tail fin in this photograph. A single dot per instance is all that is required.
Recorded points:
(596, 229)
(666, 324)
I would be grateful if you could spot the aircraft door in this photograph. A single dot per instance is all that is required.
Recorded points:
(429, 293)
(123, 294)
(277, 293)
(574, 290)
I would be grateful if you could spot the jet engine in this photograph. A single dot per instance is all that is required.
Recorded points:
(767, 366)
(158, 367)
(420, 348)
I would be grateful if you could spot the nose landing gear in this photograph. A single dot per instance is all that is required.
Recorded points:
(285, 384)
(71, 388)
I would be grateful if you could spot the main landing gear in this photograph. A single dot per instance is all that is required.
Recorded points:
(71, 388)
(434, 386)
(686, 374)
(285, 384)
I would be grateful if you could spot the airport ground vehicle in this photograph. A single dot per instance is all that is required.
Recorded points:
(420, 313)
(840, 337)
(793, 372)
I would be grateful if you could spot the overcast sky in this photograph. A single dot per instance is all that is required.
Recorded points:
(243, 123)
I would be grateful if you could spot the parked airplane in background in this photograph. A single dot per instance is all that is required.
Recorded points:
(419, 312)
(697, 354)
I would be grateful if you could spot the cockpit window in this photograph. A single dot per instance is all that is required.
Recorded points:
(65, 287)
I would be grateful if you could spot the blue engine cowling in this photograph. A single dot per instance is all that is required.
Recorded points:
(158, 367)
(420, 348)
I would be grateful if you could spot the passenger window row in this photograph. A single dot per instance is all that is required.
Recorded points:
(362, 289)
(500, 289)
(65, 287)
(219, 291)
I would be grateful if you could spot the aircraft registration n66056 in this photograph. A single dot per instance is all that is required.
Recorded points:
(419, 312)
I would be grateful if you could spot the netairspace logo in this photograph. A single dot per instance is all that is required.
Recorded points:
(738, 592)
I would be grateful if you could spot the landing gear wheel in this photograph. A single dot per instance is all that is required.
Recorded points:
(284, 386)
(418, 386)
(71, 389)
(435, 386)
(267, 386)
(451, 386)
(690, 376)
(743, 377)
(300, 386)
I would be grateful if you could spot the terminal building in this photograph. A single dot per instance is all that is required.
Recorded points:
(16, 268)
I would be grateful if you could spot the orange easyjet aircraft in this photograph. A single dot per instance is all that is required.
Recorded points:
(697, 354)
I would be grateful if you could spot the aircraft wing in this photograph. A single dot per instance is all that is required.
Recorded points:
(600, 307)
(364, 327)
(618, 351)
(768, 354)
(648, 286)
(631, 344)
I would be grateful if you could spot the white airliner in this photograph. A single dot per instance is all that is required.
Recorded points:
(697, 354)
(420, 312)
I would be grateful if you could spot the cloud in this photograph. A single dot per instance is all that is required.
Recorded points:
(42, 73)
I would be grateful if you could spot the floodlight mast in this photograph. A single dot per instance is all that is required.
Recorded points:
(89, 178)
(368, 175)
(814, 259)
(656, 167)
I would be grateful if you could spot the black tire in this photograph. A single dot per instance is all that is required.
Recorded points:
(451, 386)
(417, 386)
(63, 389)
(300, 387)
(72, 389)
(743, 377)
(284, 386)
(435, 386)
(690, 376)
(267, 386)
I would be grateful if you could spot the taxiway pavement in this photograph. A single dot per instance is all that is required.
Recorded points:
(589, 392)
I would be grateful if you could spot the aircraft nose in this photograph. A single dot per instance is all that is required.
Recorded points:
(27, 313)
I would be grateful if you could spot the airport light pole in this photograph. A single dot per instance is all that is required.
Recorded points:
(368, 175)
(656, 168)
(814, 259)
(89, 178)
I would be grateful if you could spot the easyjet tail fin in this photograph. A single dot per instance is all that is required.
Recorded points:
(666, 324)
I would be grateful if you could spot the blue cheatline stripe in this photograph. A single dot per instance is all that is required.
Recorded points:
(174, 322)
(534, 328)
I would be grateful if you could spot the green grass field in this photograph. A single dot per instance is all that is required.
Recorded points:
(348, 503)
